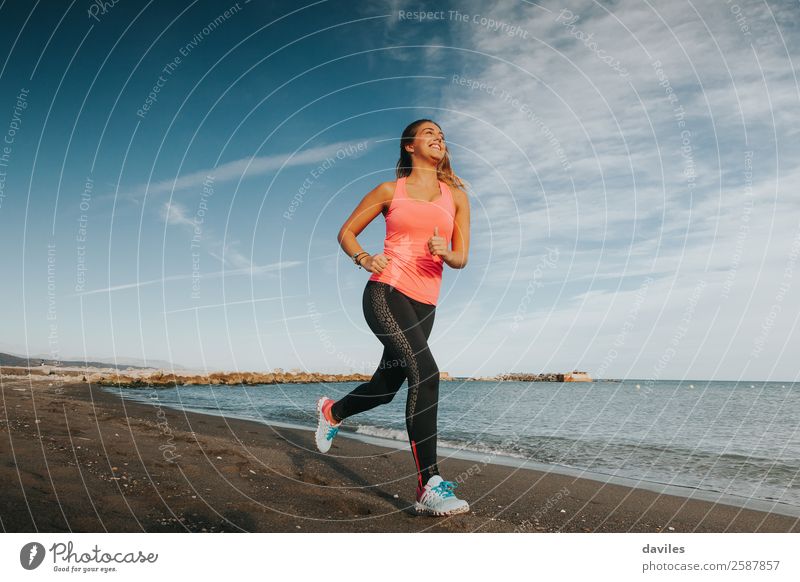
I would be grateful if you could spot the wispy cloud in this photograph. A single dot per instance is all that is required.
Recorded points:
(175, 214)
(619, 134)
(644, 191)
(225, 251)
(217, 274)
(245, 168)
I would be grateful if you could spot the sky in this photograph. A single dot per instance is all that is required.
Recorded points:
(173, 178)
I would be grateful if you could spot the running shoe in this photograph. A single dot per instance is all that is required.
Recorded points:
(326, 430)
(437, 498)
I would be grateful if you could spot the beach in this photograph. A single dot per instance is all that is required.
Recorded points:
(78, 458)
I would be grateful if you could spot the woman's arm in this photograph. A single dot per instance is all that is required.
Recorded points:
(370, 206)
(457, 257)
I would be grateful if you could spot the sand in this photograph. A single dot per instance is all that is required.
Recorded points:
(76, 458)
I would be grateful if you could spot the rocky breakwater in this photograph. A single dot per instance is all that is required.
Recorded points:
(170, 379)
(520, 377)
(153, 378)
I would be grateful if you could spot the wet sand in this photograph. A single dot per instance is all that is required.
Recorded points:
(76, 458)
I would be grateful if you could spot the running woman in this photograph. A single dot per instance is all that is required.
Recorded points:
(425, 211)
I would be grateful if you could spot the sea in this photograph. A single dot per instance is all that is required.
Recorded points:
(731, 442)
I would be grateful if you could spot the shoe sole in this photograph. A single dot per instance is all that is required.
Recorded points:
(422, 510)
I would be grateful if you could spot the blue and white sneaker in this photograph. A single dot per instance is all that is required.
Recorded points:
(437, 498)
(326, 430)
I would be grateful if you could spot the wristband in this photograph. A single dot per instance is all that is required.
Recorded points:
(357, 256)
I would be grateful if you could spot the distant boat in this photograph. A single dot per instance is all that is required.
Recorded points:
(576, 376)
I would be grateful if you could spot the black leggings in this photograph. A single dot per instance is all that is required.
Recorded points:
(403, 325)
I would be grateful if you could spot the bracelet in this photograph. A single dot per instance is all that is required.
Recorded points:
(359, 261)
(355, 257)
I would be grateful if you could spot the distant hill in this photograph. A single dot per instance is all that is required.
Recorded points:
(123, 362)
(12, 360)
(9, 360)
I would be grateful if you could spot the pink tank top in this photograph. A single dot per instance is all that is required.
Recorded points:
(409, 225)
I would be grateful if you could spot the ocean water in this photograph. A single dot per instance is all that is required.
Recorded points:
(740, 439)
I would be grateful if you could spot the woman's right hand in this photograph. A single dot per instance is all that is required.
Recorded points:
(375, 263)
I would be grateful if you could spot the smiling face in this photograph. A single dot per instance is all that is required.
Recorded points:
(429, 142)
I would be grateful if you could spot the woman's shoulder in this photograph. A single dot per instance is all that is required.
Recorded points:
(459, 195)
(383, 191)
(382, 194)
(462, 193)
(386, 190)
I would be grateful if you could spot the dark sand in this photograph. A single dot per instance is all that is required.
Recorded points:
(97, 463)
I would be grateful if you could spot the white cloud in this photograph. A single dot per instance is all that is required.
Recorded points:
(254, 270)
(246, 168)
(175, 213)
(623, 142)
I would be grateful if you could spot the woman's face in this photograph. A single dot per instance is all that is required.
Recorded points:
(429, 142)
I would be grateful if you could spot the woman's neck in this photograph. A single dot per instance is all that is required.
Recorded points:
(423, 176)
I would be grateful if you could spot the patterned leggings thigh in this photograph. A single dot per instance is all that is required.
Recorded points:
(403, 325)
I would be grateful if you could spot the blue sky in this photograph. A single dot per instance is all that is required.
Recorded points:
(633, 176)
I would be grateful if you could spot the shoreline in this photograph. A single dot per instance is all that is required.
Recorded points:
(96, 461)
(497, 458)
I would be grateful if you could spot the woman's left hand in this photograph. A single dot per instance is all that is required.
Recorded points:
(437, 245)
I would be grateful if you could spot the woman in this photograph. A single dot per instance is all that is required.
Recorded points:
(425, 210)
